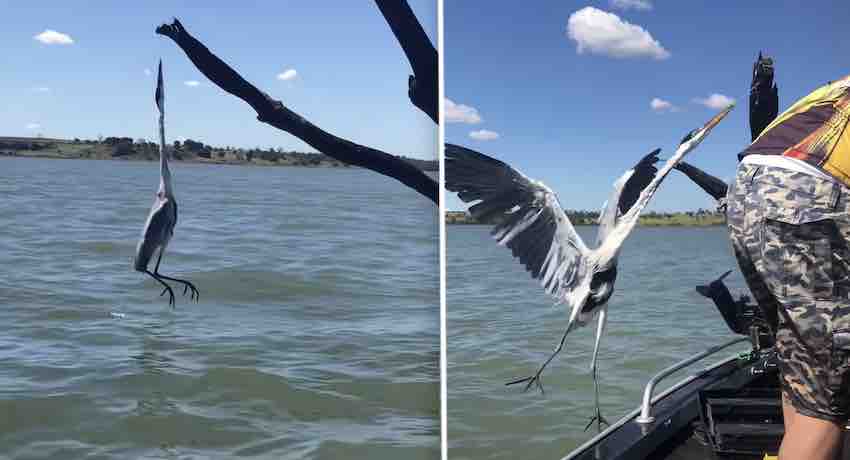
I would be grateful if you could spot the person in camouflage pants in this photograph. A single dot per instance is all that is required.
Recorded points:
(790, 234)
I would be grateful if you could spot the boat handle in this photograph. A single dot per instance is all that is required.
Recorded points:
(646, 407)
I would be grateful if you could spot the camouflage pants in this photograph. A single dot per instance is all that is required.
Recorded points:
(790, 233)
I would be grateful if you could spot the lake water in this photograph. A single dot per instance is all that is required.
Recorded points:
(316, 334)
(501, 326)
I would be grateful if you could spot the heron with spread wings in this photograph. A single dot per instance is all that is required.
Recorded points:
(538, 232)
(159, 227)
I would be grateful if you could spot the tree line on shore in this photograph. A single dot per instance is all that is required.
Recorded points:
(188, 149)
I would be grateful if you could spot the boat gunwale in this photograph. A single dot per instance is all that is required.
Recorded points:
(632, 415)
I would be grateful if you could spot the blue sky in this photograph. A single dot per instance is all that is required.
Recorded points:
(577, 120)
(350, 73)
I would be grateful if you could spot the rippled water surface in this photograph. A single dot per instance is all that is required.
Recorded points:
(316, 334)
(501, 326)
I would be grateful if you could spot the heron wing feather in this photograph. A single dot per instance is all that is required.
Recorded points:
(157, 231)
(531, 221)
(626, 191)
(610, 211)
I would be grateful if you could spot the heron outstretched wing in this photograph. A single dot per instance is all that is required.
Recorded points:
(626, 192)
(531, 221)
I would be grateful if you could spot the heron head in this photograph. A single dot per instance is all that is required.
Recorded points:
(693, 138)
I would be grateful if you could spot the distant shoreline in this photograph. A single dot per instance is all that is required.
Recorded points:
(676, 219)
(189, 151)
(202, 161)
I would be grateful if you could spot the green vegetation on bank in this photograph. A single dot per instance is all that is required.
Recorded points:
(700, 218)
(125, 148)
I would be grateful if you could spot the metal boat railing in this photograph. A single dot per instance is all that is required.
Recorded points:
(626, 418)
(646, 407)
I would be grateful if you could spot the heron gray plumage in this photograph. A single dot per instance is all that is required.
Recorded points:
(538, 232)
(159, 227)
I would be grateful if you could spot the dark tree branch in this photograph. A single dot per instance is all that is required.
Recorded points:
(422, 85)
(273, 112)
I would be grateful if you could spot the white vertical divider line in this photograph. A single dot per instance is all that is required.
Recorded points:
(441, 142)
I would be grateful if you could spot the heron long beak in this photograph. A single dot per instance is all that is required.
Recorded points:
(701, 133)
(716, 119)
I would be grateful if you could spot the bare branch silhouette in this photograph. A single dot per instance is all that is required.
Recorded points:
(422, 85)
(273, 112)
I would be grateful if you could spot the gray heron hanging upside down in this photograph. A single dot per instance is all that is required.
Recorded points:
(538, 231)
(159, 227)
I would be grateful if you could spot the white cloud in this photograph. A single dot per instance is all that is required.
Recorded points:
(191, 83)
(599, 32)
(33, 126)
(148, 72)
(484, 135)
(41, 89)
(640, 5)
(660, 105)
(51, 37)
(459, 113)
(288, 74)
(715, 101)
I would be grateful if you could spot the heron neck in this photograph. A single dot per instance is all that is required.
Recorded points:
(613, 243)
(165, 173)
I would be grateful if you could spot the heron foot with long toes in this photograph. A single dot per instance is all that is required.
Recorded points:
(531, 381)
(195, 295)
(536, 377)
(171, 301)
(599, 419)
(166, 288)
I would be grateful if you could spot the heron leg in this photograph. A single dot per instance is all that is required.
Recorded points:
(535, 379)
(167, 287)
(186, 284)
(600, 329)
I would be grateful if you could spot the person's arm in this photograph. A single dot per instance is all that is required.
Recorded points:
(764, 96)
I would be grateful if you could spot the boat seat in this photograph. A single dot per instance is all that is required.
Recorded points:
(747, 422)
